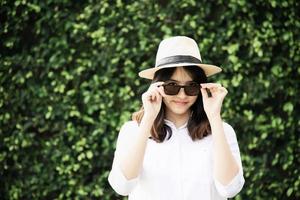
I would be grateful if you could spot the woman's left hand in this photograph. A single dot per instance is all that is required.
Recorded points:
(212, 104)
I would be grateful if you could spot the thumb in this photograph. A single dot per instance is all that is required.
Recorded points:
(204, 93)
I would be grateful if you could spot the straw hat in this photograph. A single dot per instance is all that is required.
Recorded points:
(178, 51)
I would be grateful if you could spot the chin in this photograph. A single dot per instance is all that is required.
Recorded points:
(180, 111)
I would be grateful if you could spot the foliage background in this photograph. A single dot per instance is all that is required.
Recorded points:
(68, 73)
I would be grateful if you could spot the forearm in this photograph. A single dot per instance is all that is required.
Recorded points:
(225, 166)
(132, 162)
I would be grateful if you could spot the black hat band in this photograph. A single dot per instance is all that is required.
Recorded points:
(178, 59)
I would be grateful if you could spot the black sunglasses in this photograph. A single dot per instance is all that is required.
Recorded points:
(192, 89)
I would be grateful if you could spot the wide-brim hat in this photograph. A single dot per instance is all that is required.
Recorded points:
(178, 51)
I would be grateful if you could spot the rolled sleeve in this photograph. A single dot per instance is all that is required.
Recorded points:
(233, 188)
(116, 178)
(119, 182)
(236, 184)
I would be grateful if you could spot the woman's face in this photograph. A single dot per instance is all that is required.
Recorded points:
(179, 104)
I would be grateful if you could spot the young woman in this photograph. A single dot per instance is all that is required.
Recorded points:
(177, 147)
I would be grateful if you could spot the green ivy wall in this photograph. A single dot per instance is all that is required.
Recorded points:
(68, 74)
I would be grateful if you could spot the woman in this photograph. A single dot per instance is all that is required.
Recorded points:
(177, 147)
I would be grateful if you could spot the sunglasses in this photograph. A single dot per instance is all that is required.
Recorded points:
(191, 89)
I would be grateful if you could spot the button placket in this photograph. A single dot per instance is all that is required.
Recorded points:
(177, 138)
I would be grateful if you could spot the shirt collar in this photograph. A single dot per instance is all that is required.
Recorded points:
(172, 125)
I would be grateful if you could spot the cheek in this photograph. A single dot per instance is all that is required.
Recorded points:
(193, 99)
(166, 100)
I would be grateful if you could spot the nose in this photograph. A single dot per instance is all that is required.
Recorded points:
(181, 93)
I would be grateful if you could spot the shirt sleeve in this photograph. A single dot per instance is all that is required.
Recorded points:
(236, 184)
(116, 178)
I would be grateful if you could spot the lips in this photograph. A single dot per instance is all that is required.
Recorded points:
(181, 103)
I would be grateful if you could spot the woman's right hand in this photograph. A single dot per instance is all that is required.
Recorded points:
(152, 100)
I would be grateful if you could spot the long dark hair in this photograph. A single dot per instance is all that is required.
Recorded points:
(198, 124)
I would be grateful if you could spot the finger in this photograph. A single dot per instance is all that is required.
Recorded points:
(145, 96)
(157, 95)
(210, 85)
(208, 92)
(214, 89)
(204, 93)
(150, 96)
(218, 90)
(161, 91)
(223, 90)
(157, 84)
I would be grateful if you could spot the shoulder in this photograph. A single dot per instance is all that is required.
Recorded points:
(227, 126)
(127, 133)
(130, 124)
(129, 127)
(128, 130)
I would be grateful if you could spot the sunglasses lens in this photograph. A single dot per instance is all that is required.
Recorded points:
(171, 89)
(191, 90)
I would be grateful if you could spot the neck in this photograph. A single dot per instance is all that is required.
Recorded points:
(178, 119)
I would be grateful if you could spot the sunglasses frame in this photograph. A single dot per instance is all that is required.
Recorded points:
(179, 88)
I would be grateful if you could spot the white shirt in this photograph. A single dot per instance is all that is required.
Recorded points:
(177, 169)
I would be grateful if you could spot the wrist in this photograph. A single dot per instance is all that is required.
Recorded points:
(146, 125)
(216, 124)
(148, 118)
(214, 118)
